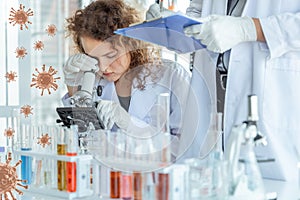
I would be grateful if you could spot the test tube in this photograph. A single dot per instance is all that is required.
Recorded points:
(163, 112)
(172, 4)
(162, 187)
(149, 189)
(15, 123)
(115, 184)
(26, 144)
(44, 143)
(72, 145)
(61, 165)
(163, 119)
(37, 171)
(126, 186)
(178, 181)
(137, 186)
(2, 154)
(50, 165)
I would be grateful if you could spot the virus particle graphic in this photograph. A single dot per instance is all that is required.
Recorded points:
(10, 76)
(44, 140)
(38, 45)
(21, 52)
(51, 30)
(9, 132)
(20, 16)
(45, 80)
(9, 179)
(26, 110)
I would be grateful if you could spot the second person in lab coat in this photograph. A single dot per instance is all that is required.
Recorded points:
(262, 56)
(131, 73)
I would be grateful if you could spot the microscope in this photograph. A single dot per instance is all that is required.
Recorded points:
(83, 110)
(244, 174)
(84, 96)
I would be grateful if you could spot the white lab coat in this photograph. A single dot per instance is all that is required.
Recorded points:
(270, 70)
(171, 78)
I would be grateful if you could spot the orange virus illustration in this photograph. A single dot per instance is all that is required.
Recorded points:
(21, 52)
(44, 140)
(20, 16)
(10, 76)
(9, 179)
(9, 132)
(26, 110)
(51, 30)
(45, 80)
(38, 45)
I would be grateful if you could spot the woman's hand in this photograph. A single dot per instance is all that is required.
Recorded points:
(111, 113)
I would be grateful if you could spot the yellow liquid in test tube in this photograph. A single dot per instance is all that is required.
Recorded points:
(61, 168)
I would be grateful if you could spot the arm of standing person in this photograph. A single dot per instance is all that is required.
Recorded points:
(247, 29)
(281, 33)
(211, 31)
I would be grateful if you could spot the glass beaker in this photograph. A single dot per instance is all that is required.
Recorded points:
(200, 178)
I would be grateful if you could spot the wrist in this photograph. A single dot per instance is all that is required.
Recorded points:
(259, 31)
(72, 90)
(249, 29)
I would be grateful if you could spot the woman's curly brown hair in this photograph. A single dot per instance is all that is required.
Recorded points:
(100, 19)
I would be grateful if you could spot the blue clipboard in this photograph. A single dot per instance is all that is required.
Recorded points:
(167, 32)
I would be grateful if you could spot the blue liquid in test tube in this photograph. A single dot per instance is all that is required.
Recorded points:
(26, 167)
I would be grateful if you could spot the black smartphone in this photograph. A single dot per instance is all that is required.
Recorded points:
(81, 116)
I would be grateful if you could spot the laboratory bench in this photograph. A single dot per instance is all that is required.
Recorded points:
(93, 175)
(274, 188)
(283, 190)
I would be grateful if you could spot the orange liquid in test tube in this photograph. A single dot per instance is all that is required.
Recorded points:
(72, 140)
(71, 174)
(163, 187)
(115, 184)
(137, 186)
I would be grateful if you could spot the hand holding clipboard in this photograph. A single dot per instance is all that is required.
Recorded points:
(166, 31)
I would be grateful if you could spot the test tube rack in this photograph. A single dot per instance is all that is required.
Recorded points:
(83, 163)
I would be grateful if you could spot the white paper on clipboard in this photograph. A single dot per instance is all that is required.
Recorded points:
(167, 32)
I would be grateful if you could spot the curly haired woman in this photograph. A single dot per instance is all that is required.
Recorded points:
(130, 72)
